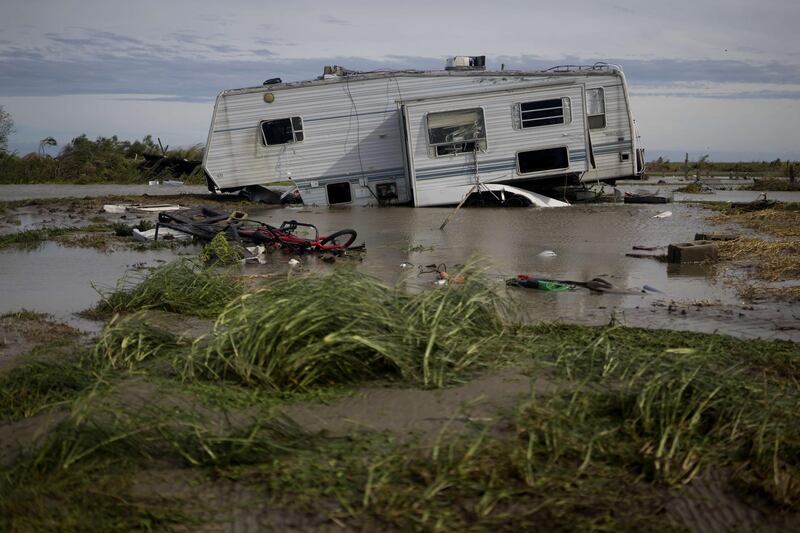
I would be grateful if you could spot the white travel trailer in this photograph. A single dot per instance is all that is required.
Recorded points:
(424, 137)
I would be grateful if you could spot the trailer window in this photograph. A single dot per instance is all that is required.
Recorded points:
(596, 108)
(539, 160)
(544, 112)
(281, 131)
(455, 132)
(339, 193)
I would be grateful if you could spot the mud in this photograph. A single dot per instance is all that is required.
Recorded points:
(26, 435)
(710, 503)
(22, 332)
(421, 416)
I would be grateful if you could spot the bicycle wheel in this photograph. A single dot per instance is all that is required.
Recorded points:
(340, 239)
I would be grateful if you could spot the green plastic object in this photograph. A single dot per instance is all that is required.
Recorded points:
(552, 286)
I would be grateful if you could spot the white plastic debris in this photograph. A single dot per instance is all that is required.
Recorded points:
(153, 208)
(293, 262)
(665, 214)
(164, 234)
(116, 208)
(406, 265)
(440, 282)
(547, 253)
(259, 254)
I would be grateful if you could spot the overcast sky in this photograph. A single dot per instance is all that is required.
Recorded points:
(718, 77)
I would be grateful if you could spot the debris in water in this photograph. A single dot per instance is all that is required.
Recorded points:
(164, 234)
(547, 253)
(523, 280)
(665, 214)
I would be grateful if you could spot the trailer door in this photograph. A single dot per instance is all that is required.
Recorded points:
(408, 155)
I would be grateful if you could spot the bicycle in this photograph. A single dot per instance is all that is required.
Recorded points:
(285, 238)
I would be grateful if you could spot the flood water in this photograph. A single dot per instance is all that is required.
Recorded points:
(589, 241)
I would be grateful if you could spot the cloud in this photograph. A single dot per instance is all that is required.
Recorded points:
(664, 71)
(190, 65)
(330, 19)
(739, 95)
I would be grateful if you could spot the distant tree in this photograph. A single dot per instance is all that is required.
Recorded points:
(44, 143)
(6, 128)
(703, 161)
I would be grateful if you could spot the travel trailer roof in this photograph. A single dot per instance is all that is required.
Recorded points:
(598, 69)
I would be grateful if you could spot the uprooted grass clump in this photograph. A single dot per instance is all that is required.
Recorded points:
(220, 251)
(182, 286)
(347, 326)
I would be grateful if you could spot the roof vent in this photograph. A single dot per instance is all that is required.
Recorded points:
(332, 71)
(466, 63)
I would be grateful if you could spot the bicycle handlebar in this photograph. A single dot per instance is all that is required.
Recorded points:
(290, 226)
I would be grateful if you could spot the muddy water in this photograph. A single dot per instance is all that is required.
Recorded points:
(588, 241)
(58, 280)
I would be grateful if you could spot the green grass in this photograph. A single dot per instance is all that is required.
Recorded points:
(32, 238)
(26, 314)
(773, 184)
(347, 326)
(126, 342)
(182, 286)
(689, 400)
(36, 386)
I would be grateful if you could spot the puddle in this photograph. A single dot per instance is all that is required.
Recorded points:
(58, 280)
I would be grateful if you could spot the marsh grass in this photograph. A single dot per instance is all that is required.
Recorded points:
(474, 482)
(781, 220)
(183, 286)
(90, 497)
(26, 314)
(777, 259)
(128, 341)
(35, 386)
(347, 326)
(691, 400)
(88, 463)
(32, 238)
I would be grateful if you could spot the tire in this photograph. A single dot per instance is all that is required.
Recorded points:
(516, 201)
(342, 239)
